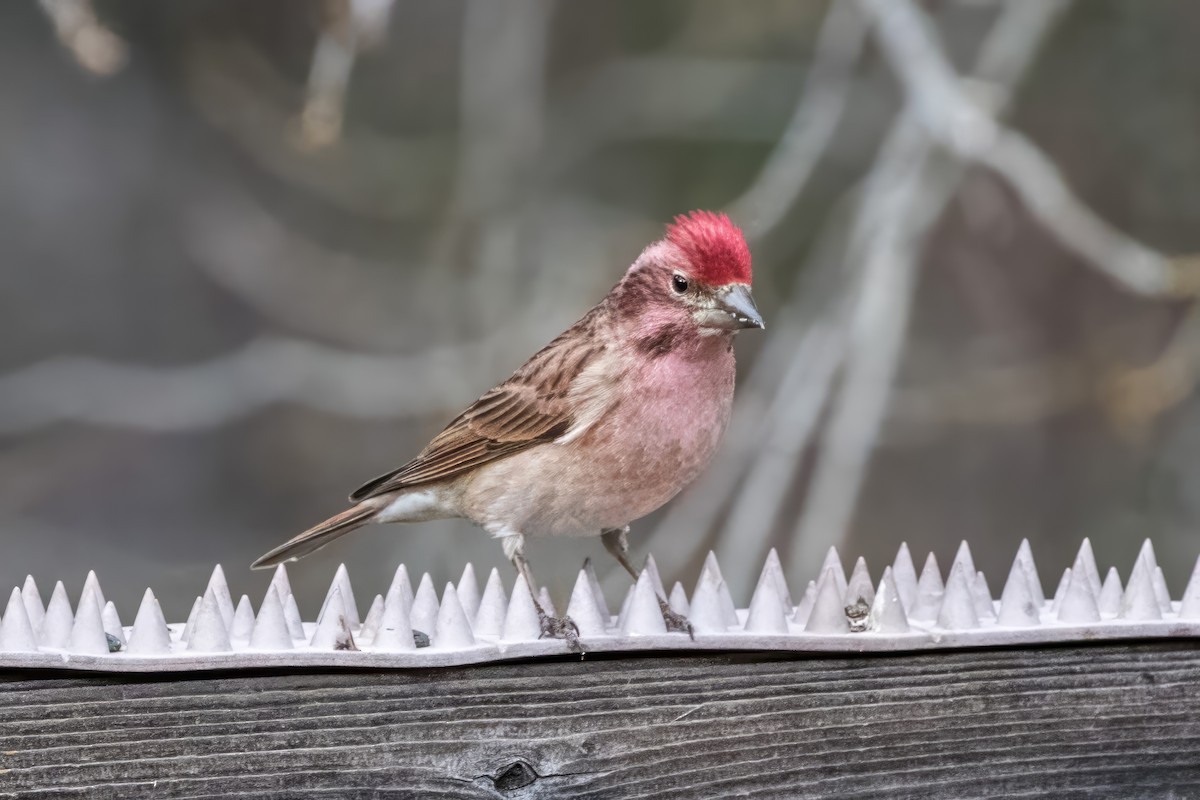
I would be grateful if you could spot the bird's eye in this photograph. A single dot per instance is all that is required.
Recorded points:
(679, 283)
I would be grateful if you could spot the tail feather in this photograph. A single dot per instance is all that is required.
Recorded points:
(318, 536)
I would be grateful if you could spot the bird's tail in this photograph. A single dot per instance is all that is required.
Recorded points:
(318, 536)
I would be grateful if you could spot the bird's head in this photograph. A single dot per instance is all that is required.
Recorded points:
(698, 277)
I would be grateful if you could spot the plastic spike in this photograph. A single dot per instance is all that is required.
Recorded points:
(395, 630)
(582, 608)
(773, 568)
(1018, 607)
(929, 592)
(1085, 563)
(191, 621)
(423, 614)
(1085, 608)
(958, 606)
(727, 606)
(1189, 604)
(1160, 590)
(270, 630)
(468, 591)
(16, 631)
(452, 629)
(766, 614)
(1146, 553)
(982, 593)
(371, 620)
(112, 622)
(834, 561)
(887, 612)
(904, 573)
(87, 633)
(594, 582)
(1060, 591)
(710, 563)
(398, 596)
(728, 611)
(220, 590)
(333, 629)
(33, 603)
(725, 601)
(521, 623)
(150, 635)
(963, 556)
(341, 581)
(859, 586)
(1025, 557)
(651, 567)
(625, 604)
(804, 607)
(92, 584)
(707, 614)
(545, 602)
(770, 582)
(56, 626)
(280, 583)
(1078, 606)
(291, 615)
(209, 633)
(828, 613)
(400, 582)
(243, 619)
(493, 607)
(1109, 601)
(644, 617)
(678, 601)
(1139, 602)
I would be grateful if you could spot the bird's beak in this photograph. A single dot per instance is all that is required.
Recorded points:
(735, 309)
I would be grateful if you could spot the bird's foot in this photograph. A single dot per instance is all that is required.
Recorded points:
(560, 628)
(420, 639)
(676, 623)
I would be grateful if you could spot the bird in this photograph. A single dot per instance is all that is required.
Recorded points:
(599, 428)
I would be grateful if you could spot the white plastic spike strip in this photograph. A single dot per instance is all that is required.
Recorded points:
(896, 610)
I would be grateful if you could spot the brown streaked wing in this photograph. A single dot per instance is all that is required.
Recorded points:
(528, 409)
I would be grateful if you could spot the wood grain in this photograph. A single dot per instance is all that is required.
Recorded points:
(1110, 720)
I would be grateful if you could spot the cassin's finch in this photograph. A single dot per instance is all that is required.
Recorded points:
(601, 427)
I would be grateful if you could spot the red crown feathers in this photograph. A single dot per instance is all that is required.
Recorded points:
(715, 247)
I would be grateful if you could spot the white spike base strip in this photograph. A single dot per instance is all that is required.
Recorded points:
(405, 629)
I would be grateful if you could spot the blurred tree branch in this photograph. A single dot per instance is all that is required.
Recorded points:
(95, 47)
(822, 99)
(264, 372)
(967, 128)
(348, 27)
(906, 193)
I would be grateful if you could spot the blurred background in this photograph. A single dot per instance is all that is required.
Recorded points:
(255, 254)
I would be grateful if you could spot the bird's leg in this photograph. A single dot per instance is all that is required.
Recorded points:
(555, 627)
(616, 542)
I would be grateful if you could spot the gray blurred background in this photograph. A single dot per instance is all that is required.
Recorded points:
(255, 254)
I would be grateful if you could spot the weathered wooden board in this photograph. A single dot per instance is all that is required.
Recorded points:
(1109, 720)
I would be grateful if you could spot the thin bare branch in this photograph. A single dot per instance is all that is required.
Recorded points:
(349, 26)
(960, 124)
(823, 98)
(907, 192)
(95, 47)
(264, 372)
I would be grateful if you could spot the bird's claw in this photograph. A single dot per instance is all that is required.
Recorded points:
(676, 622)
(560, 628)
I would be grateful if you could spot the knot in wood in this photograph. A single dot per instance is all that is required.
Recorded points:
(516, 775)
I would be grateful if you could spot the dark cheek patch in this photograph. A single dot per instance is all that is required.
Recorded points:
(660, 342)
